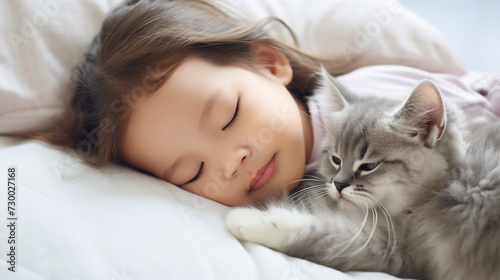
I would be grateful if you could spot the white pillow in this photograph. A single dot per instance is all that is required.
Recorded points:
(357, 33)
(44, 40)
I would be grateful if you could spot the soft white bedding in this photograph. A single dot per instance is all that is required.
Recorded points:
(75, 222)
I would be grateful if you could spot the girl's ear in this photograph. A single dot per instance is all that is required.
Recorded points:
(273, 61)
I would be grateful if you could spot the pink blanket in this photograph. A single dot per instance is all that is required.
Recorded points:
(477, 94)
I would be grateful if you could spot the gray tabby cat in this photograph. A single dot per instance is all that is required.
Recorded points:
(394, 192)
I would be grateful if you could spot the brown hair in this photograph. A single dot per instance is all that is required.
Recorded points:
(139, 45)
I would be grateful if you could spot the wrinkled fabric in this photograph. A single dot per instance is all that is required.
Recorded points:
(476, 94)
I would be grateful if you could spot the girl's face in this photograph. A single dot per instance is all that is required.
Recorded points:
(223, 132)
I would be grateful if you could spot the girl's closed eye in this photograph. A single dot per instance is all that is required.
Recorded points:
(231, 122)
(235, 115)
(198, 175)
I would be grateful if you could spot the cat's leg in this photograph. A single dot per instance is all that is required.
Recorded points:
(327, 238)
(274, 228)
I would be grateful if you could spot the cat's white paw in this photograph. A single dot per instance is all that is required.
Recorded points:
(274, 228)
(244, 223)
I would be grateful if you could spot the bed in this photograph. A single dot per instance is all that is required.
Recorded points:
(61, 219)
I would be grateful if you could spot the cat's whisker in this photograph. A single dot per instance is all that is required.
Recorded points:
(301, 180)
(318, 178)
(359, 230)
(311, 188)
(317, 197)
(308, 178)
(305, 179)
(372, 230)
(345, 245)
(367, 210)
(391, 231)
(310, 193)
(341, 246)
(311, 197)
(397, 201)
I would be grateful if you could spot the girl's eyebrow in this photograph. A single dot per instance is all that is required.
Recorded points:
(209, 105)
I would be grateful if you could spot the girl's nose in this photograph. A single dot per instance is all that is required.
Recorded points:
(236, 161)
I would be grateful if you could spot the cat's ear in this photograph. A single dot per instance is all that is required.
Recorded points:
(329, 93)
(424, 113)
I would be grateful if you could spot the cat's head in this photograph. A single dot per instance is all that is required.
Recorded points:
(382, 152)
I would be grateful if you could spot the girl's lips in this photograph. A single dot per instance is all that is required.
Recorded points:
(263, 175)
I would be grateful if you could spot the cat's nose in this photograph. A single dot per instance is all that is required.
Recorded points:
(341, 185)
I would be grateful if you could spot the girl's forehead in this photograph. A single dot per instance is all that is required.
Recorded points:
(194, 77)
(181, 95)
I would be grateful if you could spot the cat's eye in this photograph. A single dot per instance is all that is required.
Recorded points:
(368, 166)
(235, 115)
(336, 160)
